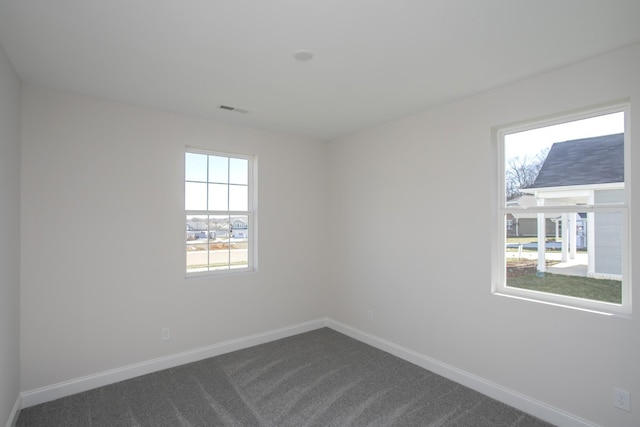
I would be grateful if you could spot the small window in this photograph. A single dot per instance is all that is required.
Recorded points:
(219, 212)
(563, 211)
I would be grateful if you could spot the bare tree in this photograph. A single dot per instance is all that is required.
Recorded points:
(521, 172)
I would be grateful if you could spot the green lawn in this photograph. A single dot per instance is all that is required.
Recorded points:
(581, 287)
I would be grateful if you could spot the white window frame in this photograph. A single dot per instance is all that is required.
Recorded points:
(499, 231)
(250, 213)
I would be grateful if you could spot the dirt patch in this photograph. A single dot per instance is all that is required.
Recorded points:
(218, 246)
(523, 267)
(213, 247)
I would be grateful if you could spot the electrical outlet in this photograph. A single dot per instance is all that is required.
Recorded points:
(166, 334)
(621, 399)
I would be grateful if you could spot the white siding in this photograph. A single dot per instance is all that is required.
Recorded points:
(608, 234)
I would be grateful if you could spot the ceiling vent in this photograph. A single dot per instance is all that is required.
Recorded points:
(235, 109)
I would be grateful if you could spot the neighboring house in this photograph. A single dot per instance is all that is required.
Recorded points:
(525, 224)
(217, 230)
(239, 229)
(196, 230)
(586, 171)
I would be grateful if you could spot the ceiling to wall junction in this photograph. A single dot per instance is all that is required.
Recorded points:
(372, 61)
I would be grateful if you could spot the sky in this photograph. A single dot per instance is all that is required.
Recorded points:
(222, 181)
(531, 142)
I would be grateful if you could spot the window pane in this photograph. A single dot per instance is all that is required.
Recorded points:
(195, 196)
(239, 171)
(238, 198)
(218, 197)
(562, 165)
(219, 228)
(197, 257)
(582, 254)
(607, 244)
(219, 256)
(218, 169)
(196, 240)
(219, 244)
(197, 227)
(195, 167)
(239, 242)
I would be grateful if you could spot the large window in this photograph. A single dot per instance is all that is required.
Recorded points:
(562, 221)
(219, 212)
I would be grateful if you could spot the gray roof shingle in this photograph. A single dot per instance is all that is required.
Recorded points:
(596, 160)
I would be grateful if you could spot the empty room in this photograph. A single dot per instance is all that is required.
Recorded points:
(292, 213)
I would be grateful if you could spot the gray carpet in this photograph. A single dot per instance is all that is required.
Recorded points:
(319, 378)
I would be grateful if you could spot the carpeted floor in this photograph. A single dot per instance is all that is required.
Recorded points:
(319, 378)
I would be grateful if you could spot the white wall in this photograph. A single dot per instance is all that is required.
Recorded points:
(412, 202)
(103, 232)
(9, 237)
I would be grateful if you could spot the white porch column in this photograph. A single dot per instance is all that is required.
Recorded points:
(591, 237)
(573, 234)
(542, 237)
(565, 237)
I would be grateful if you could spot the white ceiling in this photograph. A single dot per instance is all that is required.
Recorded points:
(374, 60)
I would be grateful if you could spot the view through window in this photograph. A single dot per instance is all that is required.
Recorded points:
(564, 211)
(218, 212)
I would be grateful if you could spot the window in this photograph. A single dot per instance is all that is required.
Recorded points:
(219, 212)
(562, 220)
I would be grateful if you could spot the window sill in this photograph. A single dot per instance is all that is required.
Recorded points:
(220, 273)
(609, 310)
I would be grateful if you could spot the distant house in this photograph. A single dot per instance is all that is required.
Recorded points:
(239, 229)
(196, 230)
(587, 171)
(216, 229)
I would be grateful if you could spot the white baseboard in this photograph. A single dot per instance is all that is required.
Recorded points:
(488, 388)
(493, 390)
(13, 416)
(77, 385)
